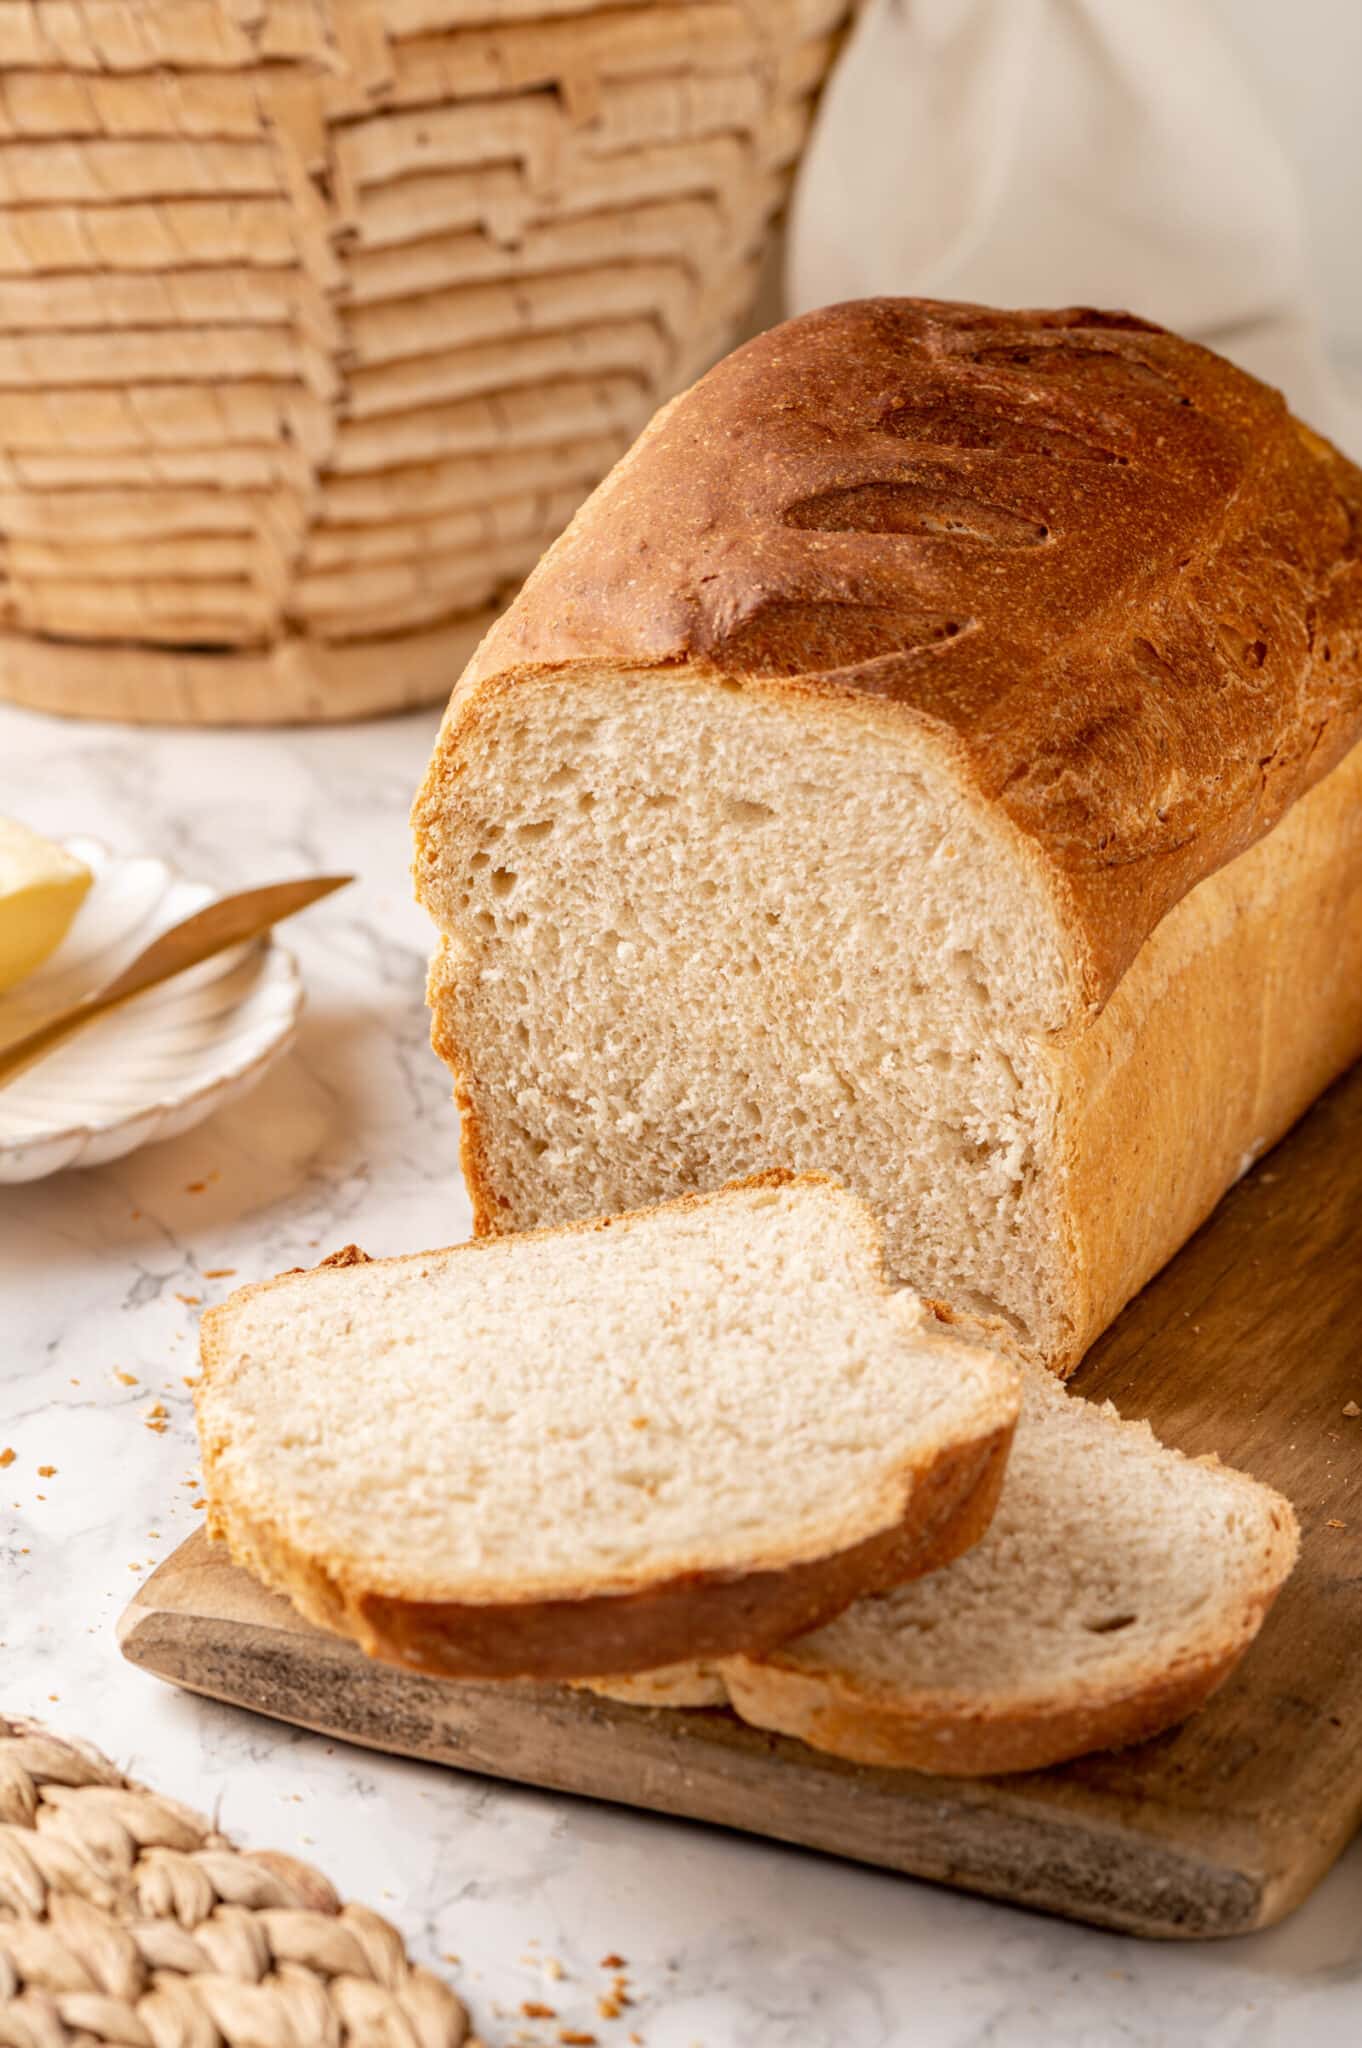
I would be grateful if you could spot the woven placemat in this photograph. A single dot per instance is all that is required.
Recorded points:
(127, 1918)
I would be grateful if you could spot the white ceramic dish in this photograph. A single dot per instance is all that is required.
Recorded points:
(158, 1064)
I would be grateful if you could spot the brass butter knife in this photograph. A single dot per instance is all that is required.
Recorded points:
(229, 921)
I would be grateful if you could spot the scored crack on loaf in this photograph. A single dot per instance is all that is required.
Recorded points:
(695, 1429)
(250, 252)
(930, 757)
(1117, 1586)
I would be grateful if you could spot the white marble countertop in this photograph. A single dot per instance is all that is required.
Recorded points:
(729, 1942)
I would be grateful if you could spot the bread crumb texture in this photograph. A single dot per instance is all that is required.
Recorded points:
(1118, 1582)
(461, 1426)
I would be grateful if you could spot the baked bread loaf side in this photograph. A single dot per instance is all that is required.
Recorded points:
(1118, 1585)
(929, 758)
(705, 1427)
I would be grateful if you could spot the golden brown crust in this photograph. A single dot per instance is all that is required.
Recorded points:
(1241, 1008)
(952, 1744)
(1104, 567)
(950, 1498)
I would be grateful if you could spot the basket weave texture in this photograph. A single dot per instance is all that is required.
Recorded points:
(125, 1917)
(318, 318)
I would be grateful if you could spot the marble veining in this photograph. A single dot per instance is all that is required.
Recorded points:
(728, 1942)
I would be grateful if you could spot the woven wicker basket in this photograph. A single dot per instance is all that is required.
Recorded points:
(127, 1918)
(319, 317)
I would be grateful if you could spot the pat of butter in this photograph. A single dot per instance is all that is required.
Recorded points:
(42, 887)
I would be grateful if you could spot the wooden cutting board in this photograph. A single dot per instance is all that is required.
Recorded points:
(1249, 1344)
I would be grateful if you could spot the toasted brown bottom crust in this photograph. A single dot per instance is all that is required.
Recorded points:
(693, 1615)
(956, 1743)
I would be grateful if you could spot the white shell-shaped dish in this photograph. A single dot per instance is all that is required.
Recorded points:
(157, 1065)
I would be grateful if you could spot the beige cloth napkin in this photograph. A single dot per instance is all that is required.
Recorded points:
(1051, 152)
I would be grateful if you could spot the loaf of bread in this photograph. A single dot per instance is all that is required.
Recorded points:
(704, 1428)
(929, 758)
(1118, 1585)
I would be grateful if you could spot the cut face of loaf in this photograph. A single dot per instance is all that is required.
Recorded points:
(700, 1428)
(1118, 1585)
(928, 758)
(693, 930)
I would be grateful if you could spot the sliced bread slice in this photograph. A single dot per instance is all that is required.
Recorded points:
(691, 1430)
(1119, 1583)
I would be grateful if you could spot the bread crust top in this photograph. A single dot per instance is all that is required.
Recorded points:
(1108, 570)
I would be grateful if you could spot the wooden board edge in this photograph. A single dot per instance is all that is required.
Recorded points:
(690, 1765)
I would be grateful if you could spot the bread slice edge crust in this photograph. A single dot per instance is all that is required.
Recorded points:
(945, 1502)
(700, 1614)
(955, 1734)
